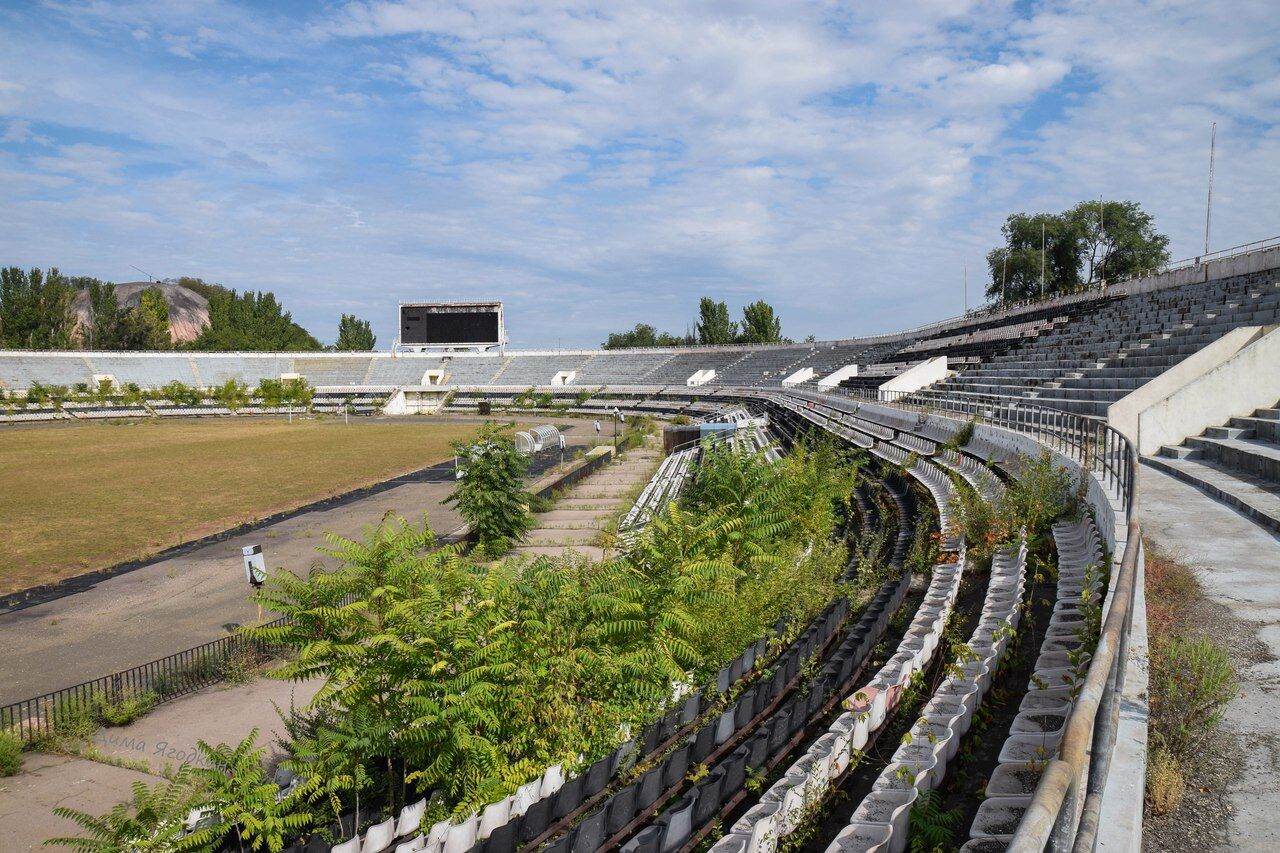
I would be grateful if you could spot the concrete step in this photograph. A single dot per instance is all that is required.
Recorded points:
(1259, 459)
(1228, 432)
(1170, 451)
(1257, 499)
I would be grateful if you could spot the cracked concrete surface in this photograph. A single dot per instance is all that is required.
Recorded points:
(1238, 564)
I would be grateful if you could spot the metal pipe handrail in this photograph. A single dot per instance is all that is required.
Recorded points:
(1053, 810)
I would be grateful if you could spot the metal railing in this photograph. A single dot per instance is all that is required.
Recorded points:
(1096, 445)
(166, 678)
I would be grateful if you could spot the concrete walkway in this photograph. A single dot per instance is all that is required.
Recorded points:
(166, 736)
(160, 609)
(1238, 564)
(573, 526)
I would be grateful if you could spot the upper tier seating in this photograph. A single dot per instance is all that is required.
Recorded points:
(622, 367)
(1092, 362)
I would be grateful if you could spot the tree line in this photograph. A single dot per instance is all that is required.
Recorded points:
(37, 313)
(1049, 253)
(760, 325)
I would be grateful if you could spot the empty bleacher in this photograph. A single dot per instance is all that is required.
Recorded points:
(1088, 364)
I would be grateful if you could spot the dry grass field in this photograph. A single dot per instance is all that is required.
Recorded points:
(87, 496)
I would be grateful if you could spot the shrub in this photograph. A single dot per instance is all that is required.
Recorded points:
(1191, 683)
(1166, 784)
(10, 753)
(122, 709)
(490, 495)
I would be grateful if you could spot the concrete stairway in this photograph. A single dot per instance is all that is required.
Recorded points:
(1238, 463)
(573, 525)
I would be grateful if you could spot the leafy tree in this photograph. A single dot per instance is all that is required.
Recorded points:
(153, 318)
(103, 330)
(714, 325)
(1092, 240)
(354, 334)
(760, 325)
(236, 784)
(1016, 267)
(643, 335)
(1116, 238)
(490, 495)
(153, 820)
(35, 309)
(233, 394)
(250, 321)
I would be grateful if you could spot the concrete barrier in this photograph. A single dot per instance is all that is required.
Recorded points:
(1231, 377)
(924, 373)
(839, 376)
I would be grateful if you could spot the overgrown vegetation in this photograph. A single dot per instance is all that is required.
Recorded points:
(1040, 494)
(490, 495)
(469, 678)
(10, 753)
(1191, 681)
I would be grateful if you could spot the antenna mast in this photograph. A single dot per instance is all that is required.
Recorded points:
(1208, 211)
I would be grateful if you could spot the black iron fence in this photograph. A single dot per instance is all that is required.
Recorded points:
(158, 680)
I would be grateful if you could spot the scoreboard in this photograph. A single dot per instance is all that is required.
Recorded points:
(451, 324)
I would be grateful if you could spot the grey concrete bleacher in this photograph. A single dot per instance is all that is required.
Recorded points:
(150, 371)
(683, 365)
(620, 367)
(333, 370)
(213, 370)
(405, 370)
(1237, 463)
(1090, 363)
(537, 369)
(472, 370)
(19, 370)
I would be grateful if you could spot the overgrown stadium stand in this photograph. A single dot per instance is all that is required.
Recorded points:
(1033, 378)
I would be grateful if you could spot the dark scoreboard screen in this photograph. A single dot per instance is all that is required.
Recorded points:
(431, 325)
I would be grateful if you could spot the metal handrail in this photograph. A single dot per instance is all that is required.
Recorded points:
(1056, 804)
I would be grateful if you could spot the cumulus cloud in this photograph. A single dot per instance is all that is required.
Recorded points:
(598, 164)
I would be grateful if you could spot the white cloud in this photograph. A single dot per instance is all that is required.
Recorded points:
(599, 164)
(92, 163)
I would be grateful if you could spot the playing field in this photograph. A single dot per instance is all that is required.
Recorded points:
(88, 496)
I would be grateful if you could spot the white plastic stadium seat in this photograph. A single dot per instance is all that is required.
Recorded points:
(413, 845)
(410, 818)
(379, 836)
(349, 846)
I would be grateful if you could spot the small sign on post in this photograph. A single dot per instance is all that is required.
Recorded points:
(255, 570)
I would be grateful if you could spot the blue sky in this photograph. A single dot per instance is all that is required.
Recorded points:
(598, 164)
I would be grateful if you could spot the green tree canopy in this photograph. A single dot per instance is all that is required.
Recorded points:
(251, 321)
(1116, 238)
(643, 335)
(1092, 240)
(491, 493)
(714, 325)
(35, 309)
(760, 325)
(354, 334)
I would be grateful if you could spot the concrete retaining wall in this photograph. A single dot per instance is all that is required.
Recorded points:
(1231, 377)
(925, 373)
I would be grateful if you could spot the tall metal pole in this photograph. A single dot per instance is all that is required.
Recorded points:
(966, 287)
(1042, 259)
(1004, 274)
(1208, 209)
